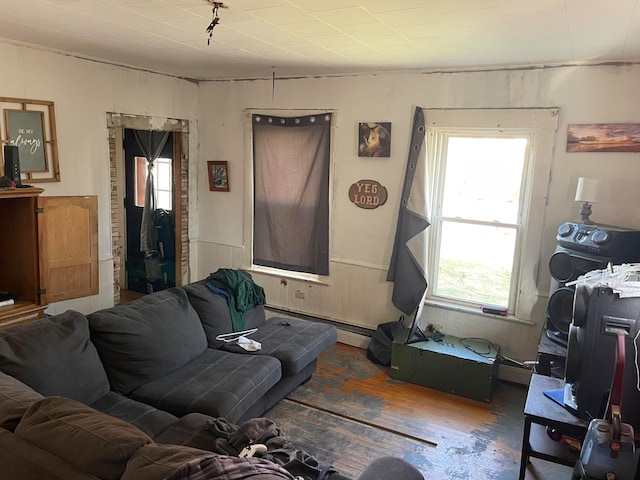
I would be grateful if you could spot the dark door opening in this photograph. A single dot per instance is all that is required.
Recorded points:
(155, 270)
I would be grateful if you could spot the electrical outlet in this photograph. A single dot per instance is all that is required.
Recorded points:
(299, 294)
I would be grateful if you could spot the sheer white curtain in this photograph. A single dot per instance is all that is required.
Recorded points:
(151, 143)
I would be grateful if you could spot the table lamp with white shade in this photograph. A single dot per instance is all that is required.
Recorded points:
(587, 192)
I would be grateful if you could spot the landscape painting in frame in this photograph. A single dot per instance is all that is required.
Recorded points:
(604, 137)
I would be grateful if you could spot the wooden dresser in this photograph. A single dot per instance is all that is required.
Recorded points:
(48, 250)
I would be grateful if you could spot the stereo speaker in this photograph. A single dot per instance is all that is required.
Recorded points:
(12, 163)
(565, 266)
(599, 315)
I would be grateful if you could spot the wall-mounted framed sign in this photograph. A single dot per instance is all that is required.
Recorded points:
(26, 131)
(31, 126)
(368, 194)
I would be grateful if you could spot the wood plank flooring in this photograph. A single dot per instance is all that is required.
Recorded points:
(352, 411)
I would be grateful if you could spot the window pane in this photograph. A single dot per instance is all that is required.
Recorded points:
(476, 263)
(483, 178)
(141, 180)
(162, 181)
(163, 173)
(163, 200)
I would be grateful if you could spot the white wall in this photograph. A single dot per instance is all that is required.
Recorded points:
(83, 92)
(362, 239)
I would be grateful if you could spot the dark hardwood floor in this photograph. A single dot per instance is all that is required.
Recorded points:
(352, 411)
(127, 296)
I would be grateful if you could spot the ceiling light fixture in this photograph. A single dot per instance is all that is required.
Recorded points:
(216, 19)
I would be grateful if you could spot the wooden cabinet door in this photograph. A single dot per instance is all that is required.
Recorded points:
(68, 241)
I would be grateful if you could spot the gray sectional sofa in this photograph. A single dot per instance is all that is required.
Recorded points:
(127, 392)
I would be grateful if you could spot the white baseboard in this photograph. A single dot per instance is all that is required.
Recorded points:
(353, 339)
(514, 374)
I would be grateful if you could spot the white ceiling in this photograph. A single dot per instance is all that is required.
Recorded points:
(327, 37)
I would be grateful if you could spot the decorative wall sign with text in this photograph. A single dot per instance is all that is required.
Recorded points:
(26, 131)
(368, 194)
(31, 126)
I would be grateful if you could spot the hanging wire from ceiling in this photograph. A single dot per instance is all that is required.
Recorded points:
(273, 83)
(216, 19)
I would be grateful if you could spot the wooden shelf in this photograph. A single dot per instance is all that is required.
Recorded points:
(20, 192)
(21, 311)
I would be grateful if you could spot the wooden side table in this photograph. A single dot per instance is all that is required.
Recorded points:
(541, 412)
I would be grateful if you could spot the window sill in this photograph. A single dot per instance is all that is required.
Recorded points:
(477, 311)
(274, 272)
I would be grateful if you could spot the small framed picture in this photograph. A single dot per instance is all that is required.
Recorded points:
(374, 139)
(218, 175)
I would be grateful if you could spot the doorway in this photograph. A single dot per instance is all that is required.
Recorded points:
(155, 270)
(179, 154)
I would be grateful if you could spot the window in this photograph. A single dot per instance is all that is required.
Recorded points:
(486, 169)
(162, 182)
(291, 159)
(478, 215)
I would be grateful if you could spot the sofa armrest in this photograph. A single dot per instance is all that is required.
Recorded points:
(90, 440)
(21, 459)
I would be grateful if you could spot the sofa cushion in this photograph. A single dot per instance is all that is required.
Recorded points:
(94, 442)
(216, 383)
(177, 462)
(54, 356)
(192, 430)
(213, 311)
(143, 340)
(295, 342)
(147, 418)
(15, 399)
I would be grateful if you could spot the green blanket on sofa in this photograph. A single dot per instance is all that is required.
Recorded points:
(242, 293)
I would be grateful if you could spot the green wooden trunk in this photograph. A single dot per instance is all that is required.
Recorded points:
(448, 365)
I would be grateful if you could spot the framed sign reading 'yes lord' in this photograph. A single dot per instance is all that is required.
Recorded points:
(30, 125)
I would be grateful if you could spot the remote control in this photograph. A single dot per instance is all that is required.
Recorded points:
(251, 450)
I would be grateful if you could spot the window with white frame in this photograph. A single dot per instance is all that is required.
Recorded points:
(486, 171)
(162, 182)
